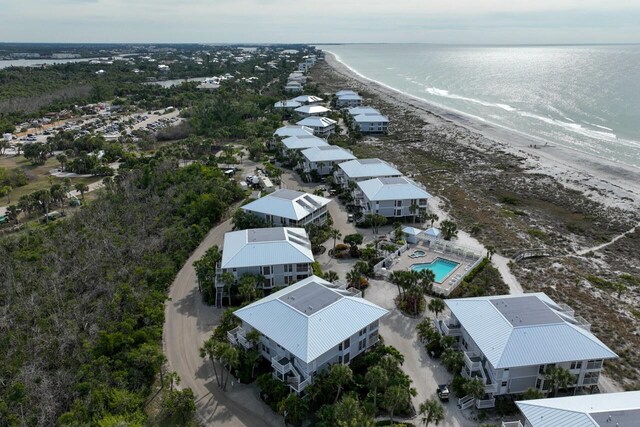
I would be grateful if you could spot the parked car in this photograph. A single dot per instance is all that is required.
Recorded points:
(350, 218)
(443, 392)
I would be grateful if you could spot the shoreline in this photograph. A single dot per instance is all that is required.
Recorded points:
(610, 183)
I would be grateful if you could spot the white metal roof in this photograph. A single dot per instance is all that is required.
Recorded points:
(312, 109)
(349, 97)
(525, 330)
(434, 232)
(412, 231)
(290, 204)
(293, 130)
(327, 154)
(346, 92)
(305, 330)
(355, 111)
(317, 122)
(287, 104)
(368, 168)
(302, 142)
(591, 410)
(371, 118)
(266, 246)
(307, 99)
(396, 188)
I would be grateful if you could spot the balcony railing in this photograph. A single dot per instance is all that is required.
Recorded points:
(298, 385)
(485, 403)
(472, 361)
(237, 336)
(448, 328)
(594, 365)
(511, 424)
(281, 364)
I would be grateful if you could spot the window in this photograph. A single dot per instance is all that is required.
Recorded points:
(346, 358)
(301, 267)
(266, 270)
(591, 378)
(362, 345)
(362, 332)
(576, 365)
(538, 383)
(340, 347)
(288, 268)
(346, 343)
(504, 384)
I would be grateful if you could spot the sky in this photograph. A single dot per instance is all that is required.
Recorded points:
(322, 21)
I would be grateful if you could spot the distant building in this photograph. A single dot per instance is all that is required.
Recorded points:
(322, 127)
(293, 87)
(363, 169)
(510, 341)
(356, 111)
(308, 99)
(282, 255)
(287, 105)
(397, 197)
(289, 208)
(323, 159)
(301, 142)
(312, 110)
(287, 131)
(307, 327)
(349, 101)
(371, 123)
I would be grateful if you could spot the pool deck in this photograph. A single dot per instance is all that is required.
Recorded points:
(404, 262)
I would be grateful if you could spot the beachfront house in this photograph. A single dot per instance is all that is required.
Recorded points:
(345, 92)
(308, 99)
(371, 123)
(282, 255)
(293, 87)
(288, 104)
(323, 159)
(287, 131)
(322, 127)
(307, 327)
(396, 197)
(591, 410)
(293, 145)
(510, 341)
(289, 208)
(356, 111)
(349, 100)
(311, 110)
(358, 170)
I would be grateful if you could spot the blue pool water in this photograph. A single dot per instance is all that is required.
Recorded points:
(441, 268)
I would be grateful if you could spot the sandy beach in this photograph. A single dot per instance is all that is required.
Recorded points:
(613, 184)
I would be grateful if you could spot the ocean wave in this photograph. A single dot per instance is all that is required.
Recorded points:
(446, 94)
(573, 127)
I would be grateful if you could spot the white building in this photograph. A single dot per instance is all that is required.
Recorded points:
(312, 110)
(323, 159)
(281, 255)
(345, 92)
(371, 123)
(289, 208)
(322, 126)
(591, 410)
(308, 99)
(293, 87)
(349, 101)
(396, 197)
(356, 111)
(287, 131)
(307, 327)
(287, 105)
(363, 169)
(301, 142)
(510, 341)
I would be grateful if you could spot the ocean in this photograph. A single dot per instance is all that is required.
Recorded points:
(585, 98)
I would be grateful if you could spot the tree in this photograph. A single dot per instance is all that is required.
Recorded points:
(376, 221)
(293, 408)
(436, 305)
(181, 404)
(243, 220)
(532, 394)
(339, 376)
(449, 229)
(247, 288)
(353, 239)
(348, 412)
(331, 276)
(414, 208)
(62, 158)
(206, 272)
(558, 378)
(43, 198)
(211, 350)
(6, 191)
(82, 188)
(474, 387)
(394, 397)
(228, 280)
(229, 358)
(376, 378)
(13, 213)
(427, 277)
(335, 234)
(433, 218)
(431, 411)
(453, 360)
(426, 330)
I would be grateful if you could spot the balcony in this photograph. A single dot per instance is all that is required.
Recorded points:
(236, 336)
(485, 403)
(281, 364)
(472, 361)
(449, 328)
(297, 385)
(511, 424)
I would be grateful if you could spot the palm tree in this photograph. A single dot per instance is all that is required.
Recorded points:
(559, 378)
(13, 212)
(394, 397)
(174, 379)
(294, 408)
(339, 375)
(475, 388)
(353, 278)
(62, 158)
(376, 378)
(247, 288)
(436, 305)
(433, 218)
(431, 411)
(81, 187)
(230, 358)
(449, 229)
(335, 234)
(427, 277)
(414, 209)
(43, 198)
(331, 276)
(452, 359)
(426, 330)
(210, 349)
(349, 413)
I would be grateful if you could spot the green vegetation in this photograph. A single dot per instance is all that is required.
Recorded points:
(96, 284)
(484, 279)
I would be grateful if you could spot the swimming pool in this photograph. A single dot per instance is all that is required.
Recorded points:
(441, 268)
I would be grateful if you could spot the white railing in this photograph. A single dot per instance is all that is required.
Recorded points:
(283, 369)
(486, 403)
(388, 261)
(511, 424)
(473, 366)
(232, 335)
(466, 402)
(450, 329)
